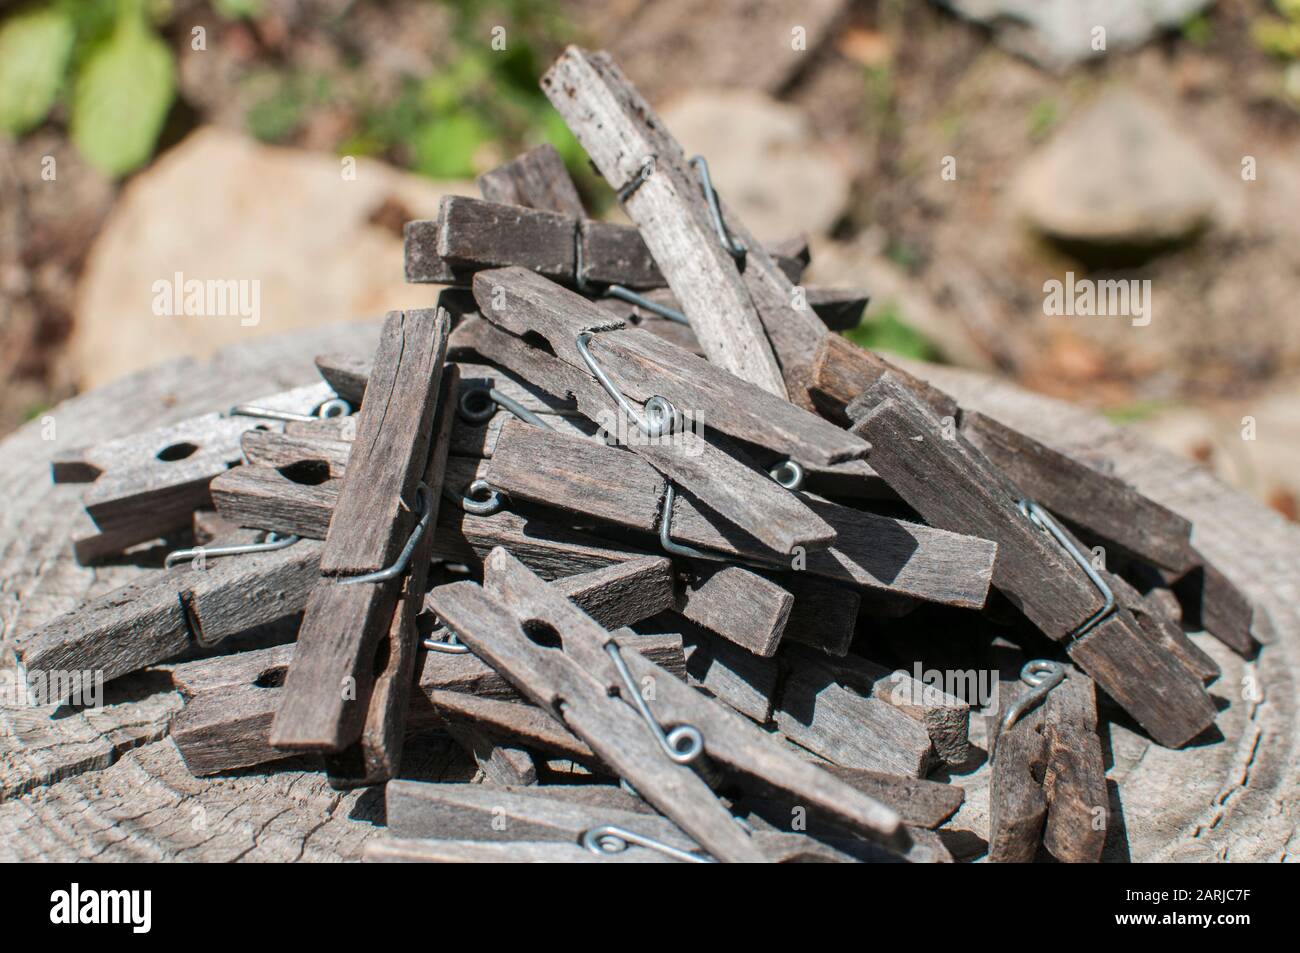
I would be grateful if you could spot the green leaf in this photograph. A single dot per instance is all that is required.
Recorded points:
(889, 332)
(444, 148)
(238, 9)
(121, 98)
(34, 50)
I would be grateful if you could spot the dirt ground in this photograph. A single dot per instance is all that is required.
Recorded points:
(889, 87)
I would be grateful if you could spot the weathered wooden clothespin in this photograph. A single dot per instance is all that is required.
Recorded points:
(230, 700)
(470, 235)
(604, 821)
(743, 317)
(222, 589)
(377, 755)
(149, 484)
(674, 206)
(597, 687)
(382, 513)
(1039, 566)
(1049, 779)
(871, 551)
(585, 339)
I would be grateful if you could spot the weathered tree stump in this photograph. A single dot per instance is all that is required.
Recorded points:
(108, 784)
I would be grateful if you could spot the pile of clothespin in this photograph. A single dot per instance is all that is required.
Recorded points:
(625, 518)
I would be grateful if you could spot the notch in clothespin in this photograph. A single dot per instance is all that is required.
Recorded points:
(596, 687)
(147, 485)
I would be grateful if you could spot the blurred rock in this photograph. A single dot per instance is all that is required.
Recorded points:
(1059, 33)
(1254, 445)
(762, 160)
(667, 46)
(1120, 174)
(220, 207)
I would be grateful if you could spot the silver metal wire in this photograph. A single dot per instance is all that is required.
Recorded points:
(661, 417)
(423, 507)
(451, 646)
(1043, 520)
(735, 248)
(491, 399)
(789, 474)
(682, 744)
(479, 498)
(609, 839)
(1042, 675)
(270, 543)
(631, 185)
(334, 407)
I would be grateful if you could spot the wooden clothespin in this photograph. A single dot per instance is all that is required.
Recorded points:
(149, 484)
(950, 483)
(1049, 779)
(231, 700)
(432, 815)
(1109, 510)
(870, 551)
(329, 687)
(675, 208)
(521, 302)
(591, 685)
(944, 718)
(377, 754)
(1103, 505)
(534, 179)
(645, 366)
(264, 497)
(470, 235)
(227, 587)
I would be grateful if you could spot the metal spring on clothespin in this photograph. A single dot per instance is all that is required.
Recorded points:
(1041, 675)
(1040, 518)
(404, 557)
(271, 542)
(334, 407)
(477, 406)
(661, 417)
(684, 743)
(609, 839)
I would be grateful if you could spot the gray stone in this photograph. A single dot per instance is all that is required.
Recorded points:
(322, 246)
(1060, 33)
(763, 160)
(1120, 174)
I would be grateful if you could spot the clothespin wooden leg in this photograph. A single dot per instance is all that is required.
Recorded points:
(1017, 805)
(377, 755)
(328, 689)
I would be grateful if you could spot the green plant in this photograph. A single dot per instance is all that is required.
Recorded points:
(1134, 412)
(122, 77)
(1280, 36)
(483, 103)
(1043, 118)
(1197, 31)
(887, 331)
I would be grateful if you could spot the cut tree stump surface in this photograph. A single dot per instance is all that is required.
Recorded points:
(107, 783)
